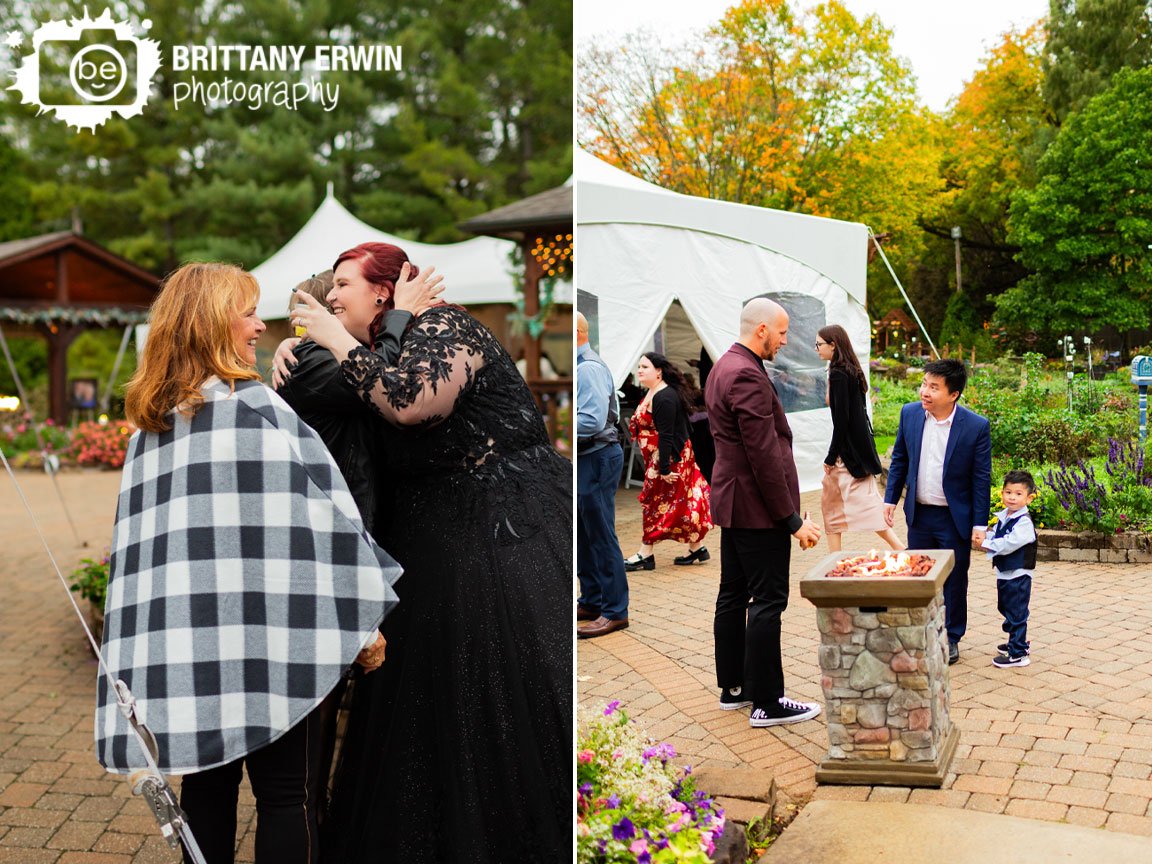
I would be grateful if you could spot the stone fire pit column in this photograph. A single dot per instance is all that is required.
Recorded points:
(884, 671)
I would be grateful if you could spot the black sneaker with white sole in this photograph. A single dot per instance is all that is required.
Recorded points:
(732, 698)
(1003, 649)
(1005, 662)
(786, 711)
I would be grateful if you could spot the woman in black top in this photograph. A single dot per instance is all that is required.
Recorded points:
(675, 496)
(850, 500)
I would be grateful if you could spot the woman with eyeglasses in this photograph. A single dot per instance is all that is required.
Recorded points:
(849, 500)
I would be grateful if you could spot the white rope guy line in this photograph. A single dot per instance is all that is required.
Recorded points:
(106, 398)
(49, 464)
(150, 782)
(903, 293)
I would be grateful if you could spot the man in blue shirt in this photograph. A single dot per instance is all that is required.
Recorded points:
(603, 601)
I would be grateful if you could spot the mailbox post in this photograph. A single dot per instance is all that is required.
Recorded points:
(1142, 378)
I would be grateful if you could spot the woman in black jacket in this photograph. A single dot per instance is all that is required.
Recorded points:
(850, 500)
(675, 496)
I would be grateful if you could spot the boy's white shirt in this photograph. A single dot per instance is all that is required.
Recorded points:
(1020, 535)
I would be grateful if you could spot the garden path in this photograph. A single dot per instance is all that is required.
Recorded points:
(57, 805)
(1068, 738)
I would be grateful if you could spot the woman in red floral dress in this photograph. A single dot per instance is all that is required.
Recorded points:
(675, 494)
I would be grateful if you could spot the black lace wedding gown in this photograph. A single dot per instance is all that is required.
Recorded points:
(460, 748)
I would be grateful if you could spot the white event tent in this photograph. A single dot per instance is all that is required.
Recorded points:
(475, 271)
(661, 268)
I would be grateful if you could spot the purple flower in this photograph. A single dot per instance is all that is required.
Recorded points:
(663, 752)
(624, 829)
(611, 707)
(613, 800)
(585, 789)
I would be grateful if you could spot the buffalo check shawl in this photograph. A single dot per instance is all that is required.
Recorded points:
(242, 583)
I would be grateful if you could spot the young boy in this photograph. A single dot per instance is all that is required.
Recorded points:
(1011, 544)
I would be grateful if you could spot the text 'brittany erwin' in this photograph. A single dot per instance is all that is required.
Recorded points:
(287, 58)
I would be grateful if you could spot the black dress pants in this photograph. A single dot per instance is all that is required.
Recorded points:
(288, 781)
(753, 595)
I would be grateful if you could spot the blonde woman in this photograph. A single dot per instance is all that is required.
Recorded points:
(242, 582)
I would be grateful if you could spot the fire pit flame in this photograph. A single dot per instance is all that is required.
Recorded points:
(888, 564)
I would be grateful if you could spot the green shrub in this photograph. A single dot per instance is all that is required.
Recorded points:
(21, 436)
(90, 580)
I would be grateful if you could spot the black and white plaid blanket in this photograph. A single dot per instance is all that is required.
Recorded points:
(242, 583)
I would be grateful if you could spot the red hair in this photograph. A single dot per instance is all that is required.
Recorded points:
(380, 264)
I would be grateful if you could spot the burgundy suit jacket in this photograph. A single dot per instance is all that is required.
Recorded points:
(754, 481)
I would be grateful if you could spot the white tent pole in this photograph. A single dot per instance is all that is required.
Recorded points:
(903, 293)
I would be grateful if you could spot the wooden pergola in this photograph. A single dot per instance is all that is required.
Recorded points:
(542, 225)
(58, 285)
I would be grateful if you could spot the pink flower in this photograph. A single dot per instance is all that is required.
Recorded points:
(585, 757)
(638, 847)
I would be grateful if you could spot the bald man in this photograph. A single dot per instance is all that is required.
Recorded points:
(756, 503)
(603, 601)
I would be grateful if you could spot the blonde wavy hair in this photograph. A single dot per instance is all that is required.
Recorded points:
(190, 339)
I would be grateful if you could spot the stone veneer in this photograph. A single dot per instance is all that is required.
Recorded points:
(885, 682)
(1128, 548)
(884, 672)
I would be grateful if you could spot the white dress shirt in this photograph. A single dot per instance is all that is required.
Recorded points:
(933, 446)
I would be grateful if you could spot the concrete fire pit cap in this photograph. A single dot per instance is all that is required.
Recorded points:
(904, 591)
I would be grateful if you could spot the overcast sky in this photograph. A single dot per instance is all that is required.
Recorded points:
(945, 41)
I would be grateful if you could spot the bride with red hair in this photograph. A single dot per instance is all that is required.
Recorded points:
(461, 749)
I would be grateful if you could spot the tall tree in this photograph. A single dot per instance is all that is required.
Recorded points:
(1089, 41)
(1084, 229)
(807, 111)
(990, 145)
(479, 115)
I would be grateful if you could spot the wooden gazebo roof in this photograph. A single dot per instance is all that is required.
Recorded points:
(68, 269)
(541, 212)
(58, 285)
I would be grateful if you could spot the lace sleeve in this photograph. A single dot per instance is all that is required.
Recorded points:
(440, 358)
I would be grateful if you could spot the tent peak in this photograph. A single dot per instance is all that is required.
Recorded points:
(331, 191)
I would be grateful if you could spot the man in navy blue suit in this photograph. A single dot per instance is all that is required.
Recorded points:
(943, 457)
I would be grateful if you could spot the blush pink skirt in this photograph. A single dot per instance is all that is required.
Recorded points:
(850, 504)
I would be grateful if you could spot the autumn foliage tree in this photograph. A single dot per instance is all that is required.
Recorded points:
(809, 111)
(992, 138)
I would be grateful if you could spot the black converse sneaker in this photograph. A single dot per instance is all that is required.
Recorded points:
(1003, 649)
(1004, 661)
(731, 698)
(786, 711)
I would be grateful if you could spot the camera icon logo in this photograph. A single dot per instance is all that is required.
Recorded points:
(86, 71)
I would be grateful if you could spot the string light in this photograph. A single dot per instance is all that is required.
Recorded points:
(554, 254)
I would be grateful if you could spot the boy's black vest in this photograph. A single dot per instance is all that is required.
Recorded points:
(609, 434)
(1023, 558)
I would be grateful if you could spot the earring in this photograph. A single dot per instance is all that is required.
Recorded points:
(379, 301)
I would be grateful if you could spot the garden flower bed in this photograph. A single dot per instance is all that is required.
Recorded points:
(633, 804)
(89, 444)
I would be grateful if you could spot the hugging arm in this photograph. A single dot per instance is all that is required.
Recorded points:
(438, 362)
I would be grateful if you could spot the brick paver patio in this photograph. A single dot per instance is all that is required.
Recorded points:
(57, 805)
(1068, 738)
